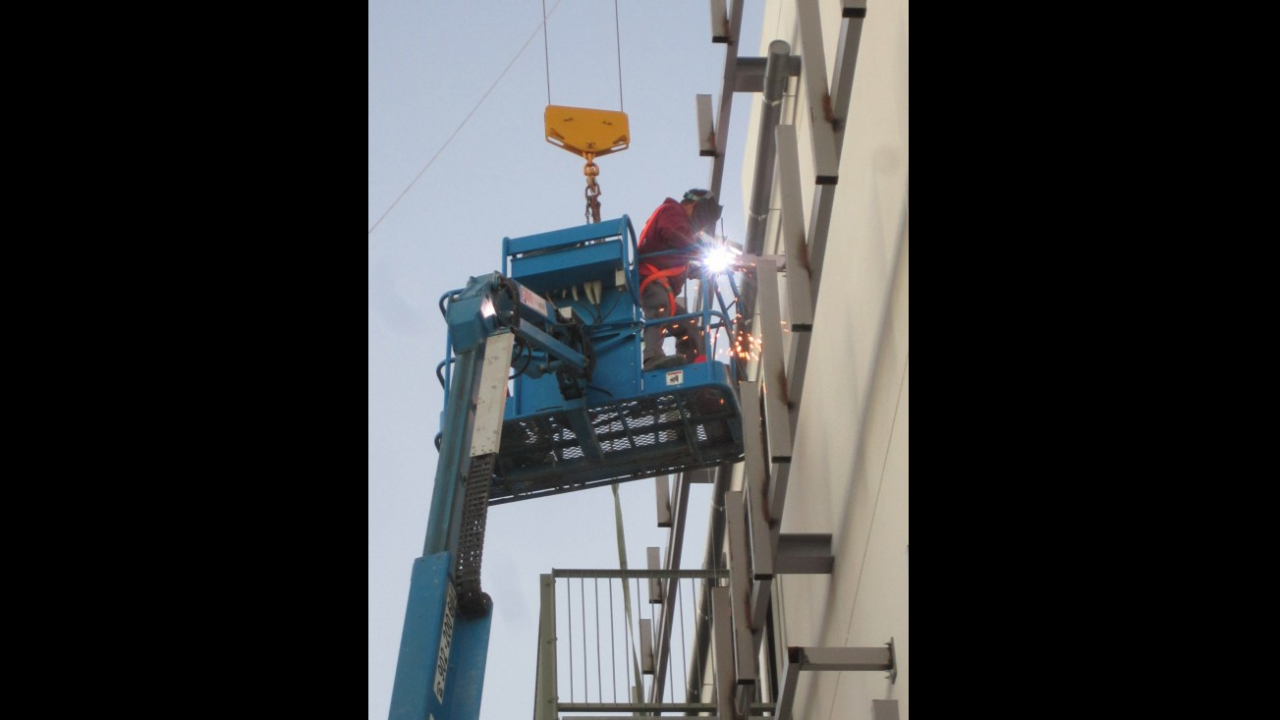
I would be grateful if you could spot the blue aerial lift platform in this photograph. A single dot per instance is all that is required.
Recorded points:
(545, 393)
(627, 423)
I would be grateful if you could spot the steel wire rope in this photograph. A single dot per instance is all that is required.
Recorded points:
(628, 641)
(617, 37)
(595, 583)
(542, 25)
(684, 650)
(633, 661)
(568, 595)
(671, 669)
(640, 690)
(613, 648)
(546, 53)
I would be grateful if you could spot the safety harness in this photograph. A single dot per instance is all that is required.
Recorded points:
(651, 272)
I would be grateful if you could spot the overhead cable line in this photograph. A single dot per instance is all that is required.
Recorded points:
(546, 53)
(617, 34)
(468, 117)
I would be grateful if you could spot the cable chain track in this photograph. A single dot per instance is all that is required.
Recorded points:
(475, 508)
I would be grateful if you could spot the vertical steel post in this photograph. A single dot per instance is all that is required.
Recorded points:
(775, 84)
(744, 658)
(544, 707)
(646, 646)
(773, 370)
(800, 303)
(662, 486)
(654, 558)
(826, 160)
(706, 131)
(722, 627)
(755, 478)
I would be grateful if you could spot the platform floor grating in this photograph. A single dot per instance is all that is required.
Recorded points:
(633, 439)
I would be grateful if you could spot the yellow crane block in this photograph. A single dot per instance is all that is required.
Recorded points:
(587, 132)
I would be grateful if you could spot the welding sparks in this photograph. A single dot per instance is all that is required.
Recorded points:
(746, 347)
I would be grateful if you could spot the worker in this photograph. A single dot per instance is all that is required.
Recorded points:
(668, 242)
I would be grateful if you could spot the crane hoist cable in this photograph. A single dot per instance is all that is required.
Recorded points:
(587, 132)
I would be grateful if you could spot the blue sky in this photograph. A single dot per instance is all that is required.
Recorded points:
(430, 63)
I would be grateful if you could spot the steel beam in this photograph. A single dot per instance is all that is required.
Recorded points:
(884, 710)
(706, 131)
(787, 690)
(826, 160)
(646, 646)
(800, 299)
(654, 708)
(544, 707)
(827, 659)
(755, 481)
(662, 489)
(664, 707)
(701, 476)
(723, 630)
(749, 76)
(853, 11)
(805, 553)
(720, 22)
(733, 31)
(744, 659)
(702, 574)
(666, 621)
(777, 419)
(654, 558)
(774, 86)
(844, 658)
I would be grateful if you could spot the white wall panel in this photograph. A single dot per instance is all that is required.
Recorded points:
(851, 450)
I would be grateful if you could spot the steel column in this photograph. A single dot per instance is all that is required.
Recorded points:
(544, 707)
(720, 620)
(800, 298)
(662, 488)
(805, 553)
(826, 159)
(775, 84)
(744, 659)
(755, 480)
(772, 368)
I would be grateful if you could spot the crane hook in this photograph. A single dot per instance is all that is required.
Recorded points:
(592, 192)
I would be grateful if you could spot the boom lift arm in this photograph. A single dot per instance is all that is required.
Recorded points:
(440, 673)
(582, 412)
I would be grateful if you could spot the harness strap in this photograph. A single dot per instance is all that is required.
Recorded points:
(645, 231)
(651, 274)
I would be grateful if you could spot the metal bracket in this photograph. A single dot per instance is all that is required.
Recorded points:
(804, 554)
(662, 487)
(893, 663)
(830, 659)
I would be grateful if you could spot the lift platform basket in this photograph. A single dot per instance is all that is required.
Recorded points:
(694, 425)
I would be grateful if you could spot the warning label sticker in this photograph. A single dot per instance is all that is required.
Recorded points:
(446, 643)
(675, 377)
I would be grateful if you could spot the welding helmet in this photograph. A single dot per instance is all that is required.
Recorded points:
(706, 211)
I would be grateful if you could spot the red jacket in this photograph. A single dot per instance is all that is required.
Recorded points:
(667, 229)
